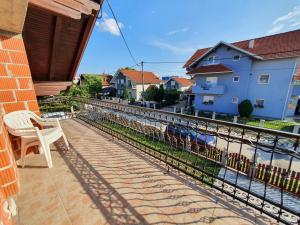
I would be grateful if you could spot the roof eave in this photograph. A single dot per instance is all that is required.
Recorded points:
(227, 44)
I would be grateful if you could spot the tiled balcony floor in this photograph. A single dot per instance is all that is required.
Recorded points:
(100, 181)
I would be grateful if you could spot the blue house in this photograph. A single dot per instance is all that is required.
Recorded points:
(265, 70)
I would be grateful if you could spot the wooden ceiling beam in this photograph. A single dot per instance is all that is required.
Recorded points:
(86, 7)
(82, 44)
(54, 7)
(55, 46)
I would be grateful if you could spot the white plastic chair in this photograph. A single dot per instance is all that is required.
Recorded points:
(19, 123)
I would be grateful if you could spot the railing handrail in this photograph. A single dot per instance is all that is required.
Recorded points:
(204, 119)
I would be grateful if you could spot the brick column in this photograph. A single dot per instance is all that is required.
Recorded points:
(16, 86)
(16, 93)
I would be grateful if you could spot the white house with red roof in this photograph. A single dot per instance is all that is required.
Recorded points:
(134, 81)
(265, 70)
(178, 83)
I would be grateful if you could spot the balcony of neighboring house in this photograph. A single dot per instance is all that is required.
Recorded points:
(132, 165)
(209, 89)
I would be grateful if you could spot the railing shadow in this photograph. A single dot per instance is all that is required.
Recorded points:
(116, 209)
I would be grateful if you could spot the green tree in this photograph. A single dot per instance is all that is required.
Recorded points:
(154, 93)
(126, 94)
(92, 84)
(245, 108)
(171, 96)
(78, 91)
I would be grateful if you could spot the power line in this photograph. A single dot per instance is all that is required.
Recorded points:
(123, 37)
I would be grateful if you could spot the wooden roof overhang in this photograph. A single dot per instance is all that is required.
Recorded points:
(55, 34)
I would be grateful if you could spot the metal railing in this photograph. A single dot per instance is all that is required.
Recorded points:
(259, 167)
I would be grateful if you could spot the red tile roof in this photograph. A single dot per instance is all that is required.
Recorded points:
(183, 81)
(106, 78)
(282, 45)
(136, 76)
(217, 68)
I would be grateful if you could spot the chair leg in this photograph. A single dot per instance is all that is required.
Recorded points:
(48, 156)
(23, 153)
(41, 150)
(66, 141)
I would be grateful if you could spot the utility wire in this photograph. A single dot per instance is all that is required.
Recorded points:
(123, 37)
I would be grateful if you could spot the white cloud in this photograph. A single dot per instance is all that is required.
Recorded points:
(291, 19)
(109, 25)
(292, 14)
(173, 32)
(178, 49)
(276, 29)
(295, 24)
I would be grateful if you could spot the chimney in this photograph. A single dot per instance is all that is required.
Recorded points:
(251, 43)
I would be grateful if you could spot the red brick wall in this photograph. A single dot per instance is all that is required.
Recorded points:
(16, 86)
(16, 93)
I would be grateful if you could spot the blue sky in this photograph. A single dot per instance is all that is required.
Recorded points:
(171, 30)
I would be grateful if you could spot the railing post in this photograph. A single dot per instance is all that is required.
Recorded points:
(252, 168)
(262, 123)
(235, 119)
(213, 116)
(196, 113)
(224, 157)
(181, 110)
(154, 105)
(296, 129)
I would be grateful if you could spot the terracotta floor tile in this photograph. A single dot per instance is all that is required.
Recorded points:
(100, 182)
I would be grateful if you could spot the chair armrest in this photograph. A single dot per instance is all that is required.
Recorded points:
(25, 132)
(48, 122)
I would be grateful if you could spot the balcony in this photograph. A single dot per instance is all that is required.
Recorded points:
(209, 89)
(132, 165)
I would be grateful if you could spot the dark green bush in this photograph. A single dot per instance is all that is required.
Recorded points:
(245, 108)
(171, 97)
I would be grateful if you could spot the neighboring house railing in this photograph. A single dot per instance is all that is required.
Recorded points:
(259, 167)
(209, 89)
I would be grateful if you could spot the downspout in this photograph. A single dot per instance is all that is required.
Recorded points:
(288, 91)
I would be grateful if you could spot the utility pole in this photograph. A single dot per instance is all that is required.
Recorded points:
(143, 88)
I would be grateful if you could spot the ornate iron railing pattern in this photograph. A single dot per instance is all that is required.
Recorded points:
(259, 167)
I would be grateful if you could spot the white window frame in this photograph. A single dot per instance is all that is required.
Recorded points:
(259, 99)
(265, 74)
(214, 59)
(236, 59)
(211, 98)
(236, 100)
(237, 80)
(208, 80)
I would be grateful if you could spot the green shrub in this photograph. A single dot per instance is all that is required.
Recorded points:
(245, 108)
(154, 93)
(171, 97)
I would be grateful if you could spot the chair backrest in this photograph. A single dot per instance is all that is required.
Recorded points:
(18, 121)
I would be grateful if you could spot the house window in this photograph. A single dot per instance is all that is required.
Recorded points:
(236, 58)
(260, 103)
(208, 100)
(129, 83)
(236, 79)
(235, 100)
(212, 59)
(172, 83)
(211, 80)
(122, 81)
(264, 79)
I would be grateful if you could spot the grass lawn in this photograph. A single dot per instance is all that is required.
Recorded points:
(162, 147)
(274, 124)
